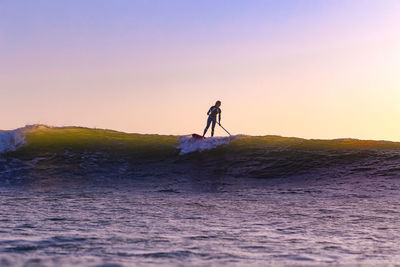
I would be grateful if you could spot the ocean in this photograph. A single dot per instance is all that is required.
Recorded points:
(72, 196)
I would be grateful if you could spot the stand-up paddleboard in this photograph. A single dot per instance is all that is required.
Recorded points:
(198, 137)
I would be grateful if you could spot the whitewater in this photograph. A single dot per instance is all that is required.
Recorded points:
(73, 196)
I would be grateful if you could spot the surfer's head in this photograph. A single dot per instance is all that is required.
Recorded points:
(218, 103)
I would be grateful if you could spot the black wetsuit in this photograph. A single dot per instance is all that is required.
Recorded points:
(212, 119)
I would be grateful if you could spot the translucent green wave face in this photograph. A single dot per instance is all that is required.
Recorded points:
(77, 139)
(299, 143)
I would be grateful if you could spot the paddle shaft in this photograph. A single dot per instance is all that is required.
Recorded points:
(224, 129)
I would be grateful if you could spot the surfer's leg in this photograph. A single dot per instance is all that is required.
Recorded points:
(208, 125)
(212, 127)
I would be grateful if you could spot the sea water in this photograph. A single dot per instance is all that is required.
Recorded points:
(209, 208)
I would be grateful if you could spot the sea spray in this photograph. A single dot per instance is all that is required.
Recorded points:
(12, 140)
(189, 145)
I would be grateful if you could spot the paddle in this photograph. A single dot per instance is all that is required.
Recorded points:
(224, 128)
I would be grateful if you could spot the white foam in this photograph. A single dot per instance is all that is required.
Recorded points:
(189, 144)
(12, 140)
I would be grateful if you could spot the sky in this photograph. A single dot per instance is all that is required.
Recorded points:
(308, 68)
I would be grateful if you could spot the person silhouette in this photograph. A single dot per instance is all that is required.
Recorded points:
(212, 117)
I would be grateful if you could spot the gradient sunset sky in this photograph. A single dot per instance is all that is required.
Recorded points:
(305, 68)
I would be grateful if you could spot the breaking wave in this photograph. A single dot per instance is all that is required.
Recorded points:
(69, 152)
(189, 145)
(12, 140)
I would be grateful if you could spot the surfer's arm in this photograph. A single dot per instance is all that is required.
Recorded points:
(219, 117)
(209, 111)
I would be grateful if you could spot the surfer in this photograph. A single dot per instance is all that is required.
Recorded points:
(212, 117)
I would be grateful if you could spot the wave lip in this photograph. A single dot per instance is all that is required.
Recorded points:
(188, 144)
(12, 140)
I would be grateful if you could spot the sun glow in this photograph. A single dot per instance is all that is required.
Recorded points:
(326, 70)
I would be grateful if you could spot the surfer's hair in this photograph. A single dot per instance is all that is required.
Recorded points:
(218, 102)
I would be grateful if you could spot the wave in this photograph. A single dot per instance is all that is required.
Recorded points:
(39, 150)
(42, 138)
